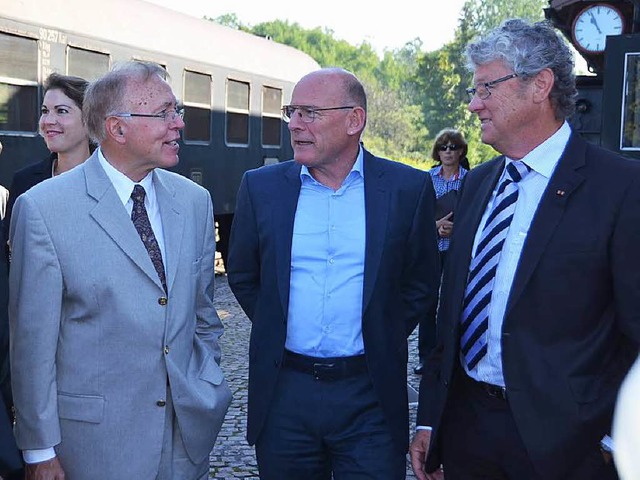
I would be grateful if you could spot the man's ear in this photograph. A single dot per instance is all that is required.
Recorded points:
(543, 83)
(115, 129)
(356, 121)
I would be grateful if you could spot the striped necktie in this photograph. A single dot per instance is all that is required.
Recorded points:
(482, 271)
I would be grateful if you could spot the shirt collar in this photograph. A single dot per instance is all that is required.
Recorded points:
(456, 176)
(545, 157)
(357, 167)
(123, 184)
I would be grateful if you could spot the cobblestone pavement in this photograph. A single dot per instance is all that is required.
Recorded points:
(231, 457)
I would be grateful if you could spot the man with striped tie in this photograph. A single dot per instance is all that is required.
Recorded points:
(539, 319)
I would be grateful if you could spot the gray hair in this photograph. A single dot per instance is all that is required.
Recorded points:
(528, 49)
(106, 95)
(355, 90)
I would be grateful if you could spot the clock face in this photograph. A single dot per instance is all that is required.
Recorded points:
(593, 24)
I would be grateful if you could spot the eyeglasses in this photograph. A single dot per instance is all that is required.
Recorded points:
(451, 146)
(306, 114)
(167, 115)
(483, 90)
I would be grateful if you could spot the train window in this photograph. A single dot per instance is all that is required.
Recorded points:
(86, 63)
(271, 119)
(237, 112)
(18, 83)
(630, 131)
(197, 107)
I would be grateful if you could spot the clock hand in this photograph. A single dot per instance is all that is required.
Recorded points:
(595, 24)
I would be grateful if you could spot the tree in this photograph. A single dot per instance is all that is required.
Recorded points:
(395, 126)
(443, 78)
(412, 94)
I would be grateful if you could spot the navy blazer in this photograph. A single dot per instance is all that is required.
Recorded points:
(572, 324)
(22, 181)
(401, 276)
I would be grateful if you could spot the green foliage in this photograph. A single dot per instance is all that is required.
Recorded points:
(442, 75)
(412, 95)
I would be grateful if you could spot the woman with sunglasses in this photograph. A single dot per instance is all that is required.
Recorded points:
(450, 152)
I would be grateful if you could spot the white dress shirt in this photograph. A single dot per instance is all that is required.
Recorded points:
(543, 161)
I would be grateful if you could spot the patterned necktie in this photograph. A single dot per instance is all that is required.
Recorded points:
(140, 220)
(482, 271)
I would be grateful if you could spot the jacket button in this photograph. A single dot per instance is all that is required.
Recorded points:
(166, 349)
(162, 301)
(161, 403)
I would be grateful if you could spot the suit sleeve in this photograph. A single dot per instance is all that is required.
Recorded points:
(35, 303)
(209, 328)
(625, 263)
(244, 252)
(421, 269)
(16, 189)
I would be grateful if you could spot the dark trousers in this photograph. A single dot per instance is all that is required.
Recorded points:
(224, 232)
(319, 427)
(480, 441)
(10, 460)
(427, 333)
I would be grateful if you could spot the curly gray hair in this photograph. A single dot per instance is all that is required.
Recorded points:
(528, 49)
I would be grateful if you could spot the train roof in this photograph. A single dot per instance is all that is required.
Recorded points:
(147, 26)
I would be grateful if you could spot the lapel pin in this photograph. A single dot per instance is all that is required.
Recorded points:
(560, 193)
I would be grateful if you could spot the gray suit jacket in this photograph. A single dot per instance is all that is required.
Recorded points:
(93, 337)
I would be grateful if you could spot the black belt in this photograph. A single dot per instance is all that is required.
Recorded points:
(495, 391)
(333, 368)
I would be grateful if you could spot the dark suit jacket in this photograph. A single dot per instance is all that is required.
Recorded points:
(10, 459)
(22, 181)
(9, 456)
(400, 276)
(572, 324)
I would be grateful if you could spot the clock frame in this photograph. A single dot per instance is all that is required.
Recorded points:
(593, 41)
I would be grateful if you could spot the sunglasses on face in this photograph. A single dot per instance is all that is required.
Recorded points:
(453, 148)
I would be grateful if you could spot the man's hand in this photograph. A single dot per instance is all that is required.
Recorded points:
(418, 453)
(47, 470)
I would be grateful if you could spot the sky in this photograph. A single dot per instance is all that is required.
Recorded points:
(389, 27)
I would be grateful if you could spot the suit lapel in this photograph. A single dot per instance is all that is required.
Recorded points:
(564, 181)
(468, 216)
(283, 214)
(112, 217)
(171, 212)
(376, 198)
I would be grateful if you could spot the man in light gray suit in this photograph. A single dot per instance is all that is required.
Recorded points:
(114, 336)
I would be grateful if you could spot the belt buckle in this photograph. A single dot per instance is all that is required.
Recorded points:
(322, 370)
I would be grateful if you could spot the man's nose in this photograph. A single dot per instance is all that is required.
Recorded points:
(475, 104)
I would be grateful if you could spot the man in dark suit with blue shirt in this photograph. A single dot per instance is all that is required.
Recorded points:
(539, 318)
(333, 258)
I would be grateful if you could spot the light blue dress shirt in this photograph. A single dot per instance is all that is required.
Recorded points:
(543, 161)
(327, 267)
